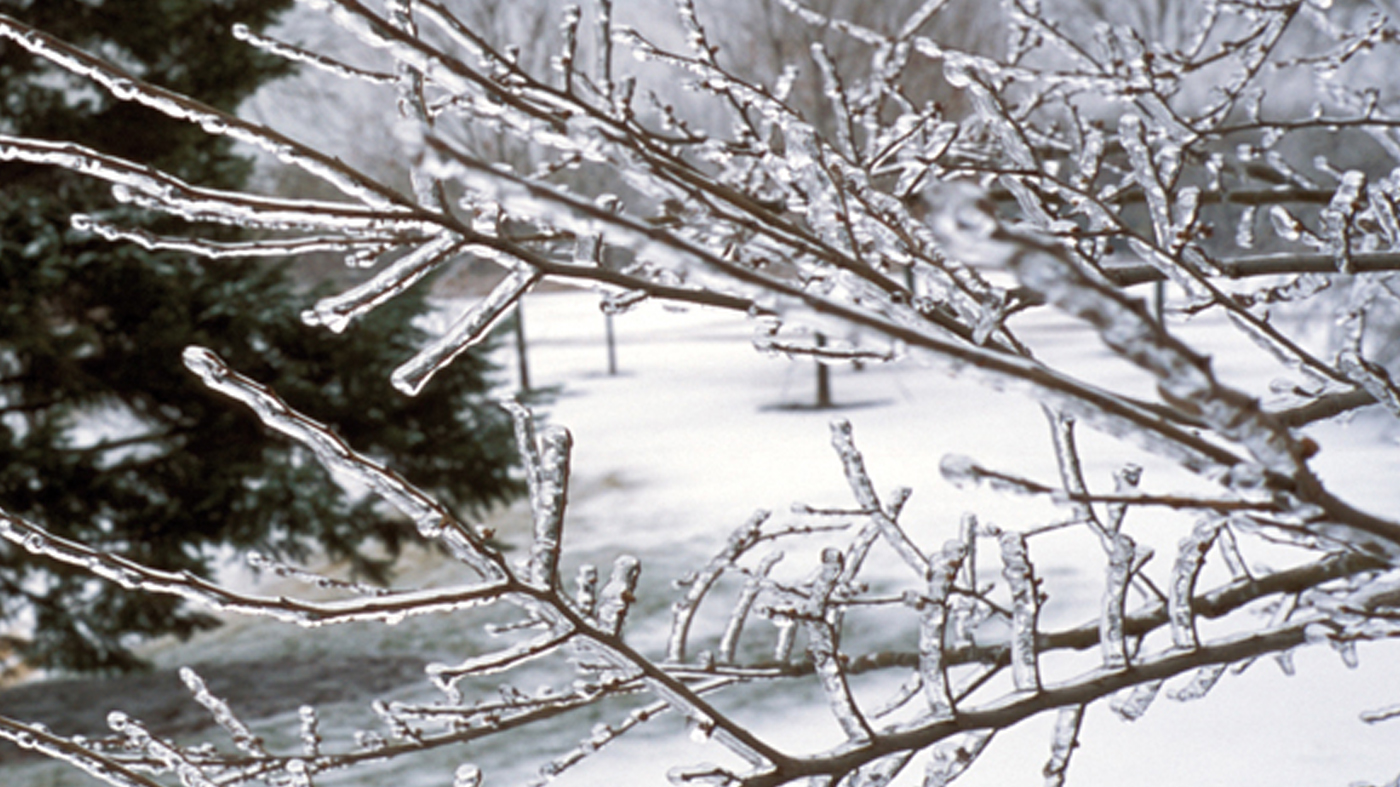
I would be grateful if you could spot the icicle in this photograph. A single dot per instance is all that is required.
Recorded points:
(1190, 557)
(337, 311)
(1025, 600)
(1131, 703)
(932, 626)
(617, 598)
(1201, 683)
(1111, 638)
(555, 446)
(1063, 742)
(953, 757)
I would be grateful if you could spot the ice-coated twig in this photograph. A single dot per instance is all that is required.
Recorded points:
(132, 575)
(264, 247)
(431, 518)
(260, 562)
(337, 311)
(171, 758)
(444, 675)
(743, 605)
(822, 644)
(309, 731)
(35, 738)
(1190, 558)
(298, 55)
(1025, 599)
(466, 332)
(933, 621)
(223, 715)
(1112, 641)
(684, 609)
(616, 598)
(161, 191)
(1377, 715)
(863, 489)
(1184, 378)
(1063, 741)
(125, 87)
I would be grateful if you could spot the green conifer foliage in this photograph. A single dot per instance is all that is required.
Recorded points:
(104, 436)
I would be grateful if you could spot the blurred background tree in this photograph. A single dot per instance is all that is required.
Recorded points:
(104, 437)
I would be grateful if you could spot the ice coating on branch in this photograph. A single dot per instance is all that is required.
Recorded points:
(616, 598)
(743, 606)
(309, 731)
(1120, 566)
(1190, 558)
(586, 589)
(1063, 742)
(132, 575)
(823, 648)
(171, 758)
(151, 188)
(124, 87)
(432, 519)
(298, 55)
(210, 249)
(444, 676)
(683, 610)
(556, 443)
(336, 311)
(1025, 611)
(933, 622)
(1131, 703)
(843, 440)
(242, 737)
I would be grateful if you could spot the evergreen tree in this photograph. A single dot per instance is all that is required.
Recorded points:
(90, 341)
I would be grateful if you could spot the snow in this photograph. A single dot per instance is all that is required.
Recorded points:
(698, 430)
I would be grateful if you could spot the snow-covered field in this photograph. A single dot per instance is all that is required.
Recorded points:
(698, 430)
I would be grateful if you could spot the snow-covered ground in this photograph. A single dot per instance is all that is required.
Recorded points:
(698, 430)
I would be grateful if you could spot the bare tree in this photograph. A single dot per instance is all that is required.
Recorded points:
(1090, 159)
